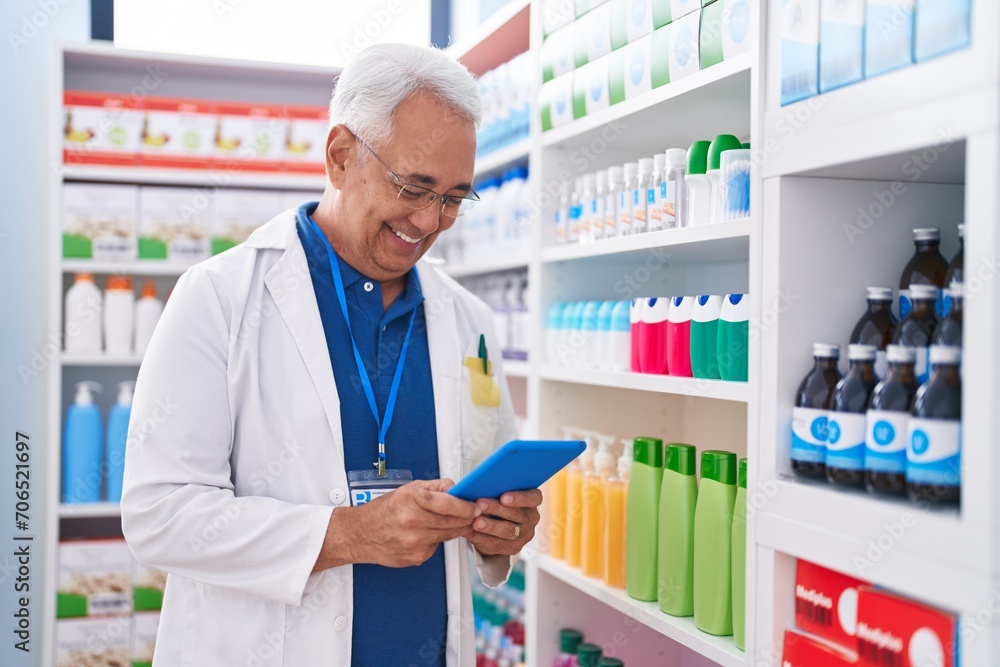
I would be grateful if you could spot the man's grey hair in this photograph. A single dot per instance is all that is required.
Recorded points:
(381, 77)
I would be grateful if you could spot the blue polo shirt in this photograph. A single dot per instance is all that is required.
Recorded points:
(400, 614)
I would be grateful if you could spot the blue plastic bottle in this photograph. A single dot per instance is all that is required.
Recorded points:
(83, 448)
(117, 435)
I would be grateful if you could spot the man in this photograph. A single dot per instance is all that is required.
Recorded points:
(318, 348)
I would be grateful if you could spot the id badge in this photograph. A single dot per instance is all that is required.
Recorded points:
(366, 485)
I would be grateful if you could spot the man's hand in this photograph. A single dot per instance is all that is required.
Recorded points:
(510, 525)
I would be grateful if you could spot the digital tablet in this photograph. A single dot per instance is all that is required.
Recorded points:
(518, 465)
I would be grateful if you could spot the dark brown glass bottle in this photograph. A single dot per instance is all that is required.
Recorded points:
(810, 416)
(927, 267)
(918, 328)
(888, 421)
(877, 326)
(933, 454)
(845, 450)
(956, 269)
(949, 331)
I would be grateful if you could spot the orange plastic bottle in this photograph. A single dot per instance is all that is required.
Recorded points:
(574, 503)
(593, 533)
(555, 498)
(615, 494)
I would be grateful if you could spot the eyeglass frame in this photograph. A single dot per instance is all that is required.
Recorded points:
(434, 196)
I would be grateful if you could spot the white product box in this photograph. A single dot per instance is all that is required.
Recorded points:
(593, 35)
(95, 578)
(236, 213)
(250, 136)
(93, 642)
(941, 26)
(638, 19)
(841, 43)
(99, 221)
(148, 586)
(590, 86)
(668, 11)
(144, 628)
(177, 132)
(100, 128)
(305, 138)
(799, 50)
(556, 14)
(685, 54)
(725, 31)
(556, 101)
(557, 53)
(638, 66)
(888, 35)
(174, 223)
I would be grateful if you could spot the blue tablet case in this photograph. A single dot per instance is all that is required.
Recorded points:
(518, 465)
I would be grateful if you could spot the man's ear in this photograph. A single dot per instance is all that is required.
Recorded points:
(340, 150)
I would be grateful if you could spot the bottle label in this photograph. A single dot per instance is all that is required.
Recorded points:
(609, 215)
(597, 215)
(885, 441)
(113, 247)
(560, 224)
(845, 443)
(638, 209)
(624, 213)
(667, 196)
(933, 452)
(573, 223)
(809, 434)
(922, 367)
(881, 364)
(905, 306)
(654, 206)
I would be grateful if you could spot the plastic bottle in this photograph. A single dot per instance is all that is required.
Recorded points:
(589, 352)
(605, 342)
(574, 503)
(678, 497)
(733, 345)
(626, 199)
(934, 449)
(654, 330)
(810, 417)
(877, 326)
(640, 196)
(719, 145)
(587, 654)
(147, 314)
(555, 499)
(887, 422)
(612, 201)
(562, 212)
(636, 308)
(569, 641)
(510, 196)
(949, 331)
(117, 436)
(699, 187)
(587, 194)
(597, 204)
(679, 336)
(927, 267)
(620, 338)
(713, 543)
(83, 448)
(509, 309)
(845, 446)
(956, 270)
(919, 326)
(655, 192)
(606, 661)
(705, 336)
(673, 190)
(483, 232)
(575, 211)
(520, 319)
(553, 326)
(643, 522)
(615, 495)
(740, 558)
(593, 533)
(84, 315)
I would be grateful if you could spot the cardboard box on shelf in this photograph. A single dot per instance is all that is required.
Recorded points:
(826, 603)
(144, 628)
(800, 650)
(237, 213)
(93, 642)
(557, 53)
(638, 19)
(590, 87)
(177, 133)
(799, 50)
(174, 224)
(725, 31)
(683, 54)
(555, 100)
(249, 136)
(593, 35)
(305, 138)
(100, 128)
(941, 26)
(841, 43)
(99, 221)
(94, 578)
(893, 630)
(888, 35)
(148, 585)
(668, 11)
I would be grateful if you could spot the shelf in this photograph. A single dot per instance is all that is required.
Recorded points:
(89, 510)
(496, 40)
(486, 265)
(718, 241)
(195, 178)
(136, 268)
(721, 650)
(515, 368)
(70, 359)
(498, 159)
(664, 384)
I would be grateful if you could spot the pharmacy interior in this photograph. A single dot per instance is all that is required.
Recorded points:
(729, 244)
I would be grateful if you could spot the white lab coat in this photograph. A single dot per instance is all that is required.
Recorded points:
(235, 460)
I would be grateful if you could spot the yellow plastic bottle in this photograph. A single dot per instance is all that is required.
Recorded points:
(555, 498)
(615, 493)
(574, 503)
(592, 535)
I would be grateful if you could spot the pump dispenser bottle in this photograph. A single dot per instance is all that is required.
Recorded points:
(83, 448)
(117, 435)
(574, 501)
(614, 512)
(592, 535)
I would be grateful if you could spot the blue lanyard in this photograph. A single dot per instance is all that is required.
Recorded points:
(390, 406)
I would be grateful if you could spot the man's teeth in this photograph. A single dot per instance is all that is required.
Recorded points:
(405, 237)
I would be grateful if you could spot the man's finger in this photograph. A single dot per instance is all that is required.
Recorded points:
(505, 530)
(493, 508)
(528, 498)
(445, 504)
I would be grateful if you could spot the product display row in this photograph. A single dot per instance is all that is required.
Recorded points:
(93, 460)
(107, 642)
(113, 322)
(507, 296)
(499, 620)
(574, 652)
(107, 128)
(499, 225)
(101, 578)
(507, 99)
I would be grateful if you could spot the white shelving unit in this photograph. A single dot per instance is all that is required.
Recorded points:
(195, 178)
(89, 510)
(503, 157)
(137, 268)
(663, 384)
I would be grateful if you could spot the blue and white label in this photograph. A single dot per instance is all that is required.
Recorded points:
(922, 367)
(941, 26)
(933, 452)
(610, 216)
(809, 435)
(799, 49)
(888, 35)
(845, 443)
(625, 213)
(885, 441)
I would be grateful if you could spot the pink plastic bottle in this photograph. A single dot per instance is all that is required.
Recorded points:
(634, 313)
(679, 335)
(653, 335)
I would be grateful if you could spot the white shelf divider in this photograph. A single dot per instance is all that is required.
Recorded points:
(486, 265)
(102, 360)
(89, 510)
(196, 178)
(664, 384)
(498, 159)
(134, 268)
(496, 40)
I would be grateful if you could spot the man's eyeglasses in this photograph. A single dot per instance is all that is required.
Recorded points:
(418, 197)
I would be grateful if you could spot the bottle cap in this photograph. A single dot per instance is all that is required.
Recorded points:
(602, 179)
(676, 157)
(645, 166)
(604, 460)
(125, 391)
(741, 477)
(956, 290)
(588, 182)
(927, 234)
(900, 354)
(630, 169)
(149, 289)
(119, 283)
(697, 157)
(615, 176)
(569, 640)
(880, 294)
(85, 277)
(746, 145)
(648, 451)
(861, 352)
(610, 662)
(826, 350)
(961, 231)
(84, 395)
(682, 458)
(923, 292)
(659, 161)
(587, 655)
(719, 466)
(945, 354)
(722, 143)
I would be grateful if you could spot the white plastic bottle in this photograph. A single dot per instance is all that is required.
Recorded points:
(625, 207)
(654, 194)
(575, 211)
(673, 189)
(586, 212)
(119, 315)
(597, 206)
(147, 314)
(612, 198)
(562, 212)
(522, 321)
(511, 305)
(83, 316)
(640, 197)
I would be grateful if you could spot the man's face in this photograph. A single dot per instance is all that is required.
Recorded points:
(429, 146)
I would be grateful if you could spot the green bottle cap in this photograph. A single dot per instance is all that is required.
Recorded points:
(648, 451)
(610, 662)
(723, 142)
(569, 640)
(719, 466)
(742, 475)
(682, 458)
(745, 145)
(698, 157)
(587, 655)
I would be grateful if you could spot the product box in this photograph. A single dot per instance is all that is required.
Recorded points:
(619, 24)
(100, 128)
(684, 57)
(888, 35)
(177, 133)
(826, 603)
(93, 642)
(593, 35)
(659, 56)
(638, 19)
(802, 651)
(895, 631)
(725, 31)
(556, 14)
(148, 585)
(236, 213)
(941, 26)
(630, 71)
(668, 11)
(144, 628)
(249, 136)
(799, 50)
(95, 578)
(99, 221)
(555, 100)
(841, 43)
(590, 87)
(174, 224)
(557, 53)
(305, 138)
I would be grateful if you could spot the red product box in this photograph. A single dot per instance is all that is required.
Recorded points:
(249, 136)
(177, 133)
(902, 633)
(100, 128)
(826, 603)
(305, 139)
(802, 651)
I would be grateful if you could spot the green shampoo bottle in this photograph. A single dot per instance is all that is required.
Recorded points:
(740, 558)
(678, 495)
(713, 543)
(641, 522)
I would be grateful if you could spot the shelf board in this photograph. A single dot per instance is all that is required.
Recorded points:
(498, 159)
(718, 241)
(721, 650)
(196, 178)
(102, 360)
(715, 389)
(89, 510)
(486, 265)
(515, 368)
(503, 35)
(134, 268)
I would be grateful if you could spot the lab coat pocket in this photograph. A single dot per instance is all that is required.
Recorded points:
(255, 624)
(480, 413)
